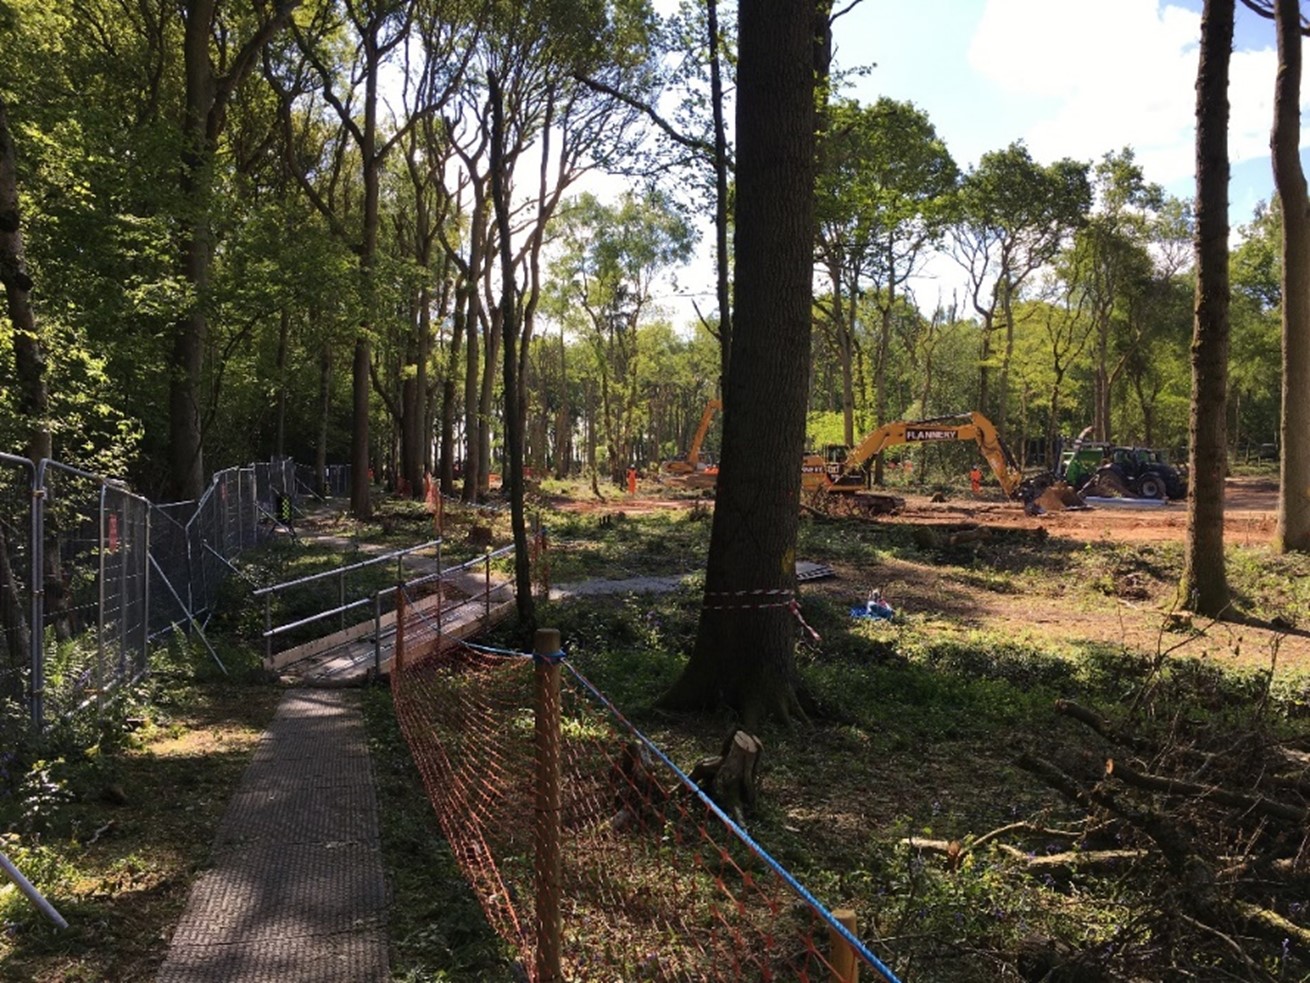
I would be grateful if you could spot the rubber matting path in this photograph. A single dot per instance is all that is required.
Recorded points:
(296, 893)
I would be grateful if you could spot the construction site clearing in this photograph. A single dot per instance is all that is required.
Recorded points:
(1250, 512)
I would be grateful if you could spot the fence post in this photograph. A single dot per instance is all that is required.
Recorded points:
(398, 656)
(845, 968)
(547, 655)
(36, 585)
(486, 602)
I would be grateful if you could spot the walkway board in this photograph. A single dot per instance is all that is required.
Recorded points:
(464, 607)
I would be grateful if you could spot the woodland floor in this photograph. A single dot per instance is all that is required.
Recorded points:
(1130, 613)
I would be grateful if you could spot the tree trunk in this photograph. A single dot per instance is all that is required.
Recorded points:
(1204, 586)
(723, 287)
(1294, 499)
(325, 407)
(29, 354)
(472, 425)
(509, 325)
(448, 391)
(743, 654)
(280, 423)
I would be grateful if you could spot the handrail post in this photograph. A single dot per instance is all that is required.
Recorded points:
(377, 632)
(845, 967)
(268, 628)
(398, 655)
(486, 606)
(547, 655)
(341, 595)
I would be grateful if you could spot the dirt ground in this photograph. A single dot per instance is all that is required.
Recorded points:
(1139, 620)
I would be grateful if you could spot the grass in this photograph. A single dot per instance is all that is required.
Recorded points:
(923, 721)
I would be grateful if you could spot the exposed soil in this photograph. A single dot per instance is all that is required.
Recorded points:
(1137, 614)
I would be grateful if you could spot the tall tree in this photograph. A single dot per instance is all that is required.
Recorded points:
(29, 352)
(1204, 585)
(743, 654)
(1294, 499)
(1013, 216)
(210, 84)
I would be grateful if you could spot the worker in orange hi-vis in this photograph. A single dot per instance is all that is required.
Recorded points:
(975, 480)
(632, 480)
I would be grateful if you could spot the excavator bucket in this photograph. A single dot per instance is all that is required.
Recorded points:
(1058, 496)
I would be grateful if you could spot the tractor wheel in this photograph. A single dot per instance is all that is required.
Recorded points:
(1150, 486)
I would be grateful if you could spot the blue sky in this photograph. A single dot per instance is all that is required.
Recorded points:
(1071, 78)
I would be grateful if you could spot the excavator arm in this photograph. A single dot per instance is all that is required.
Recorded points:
(690, 462)
(964, 426)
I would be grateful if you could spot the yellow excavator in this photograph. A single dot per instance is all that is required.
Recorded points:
(686, 469)
(840, 470)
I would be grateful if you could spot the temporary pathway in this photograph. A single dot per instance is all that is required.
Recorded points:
(296, 893)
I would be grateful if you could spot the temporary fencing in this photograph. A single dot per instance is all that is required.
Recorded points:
(629, 871)
(91, 573)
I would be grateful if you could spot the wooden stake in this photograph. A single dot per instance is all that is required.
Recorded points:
(845, 968)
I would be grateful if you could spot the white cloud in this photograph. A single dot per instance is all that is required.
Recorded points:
(1116, 73)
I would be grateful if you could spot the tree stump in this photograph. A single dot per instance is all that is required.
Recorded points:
(732, 778)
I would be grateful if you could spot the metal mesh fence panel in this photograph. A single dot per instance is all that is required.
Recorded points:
(124, 575)
(17, 480)
(76, 543)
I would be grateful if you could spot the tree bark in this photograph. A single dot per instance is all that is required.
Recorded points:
(29, 354)
(743, 655)
(509, 326)
(1293, 532)
(1204, 586)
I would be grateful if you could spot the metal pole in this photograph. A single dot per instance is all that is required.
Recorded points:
(486, 595)
(32, 893)
(398, 655)
(547, 656)
(36, 584)
(145, 595)
(122, 592)
(100, 627)
(268, 627)
(341, 596)
(377, 632)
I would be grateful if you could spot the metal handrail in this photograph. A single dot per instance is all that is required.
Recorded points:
(338, 571)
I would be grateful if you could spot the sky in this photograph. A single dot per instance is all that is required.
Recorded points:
(1070, 78)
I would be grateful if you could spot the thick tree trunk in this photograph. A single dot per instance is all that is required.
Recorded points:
(448, 393)
(1204, 586)
(1294, 499)
(29, 354)
(280, 423)
(723, 286)
(744, 646)
(509, 325)
(472, 424)
(325, 407)
(361, 505)
(187, 365)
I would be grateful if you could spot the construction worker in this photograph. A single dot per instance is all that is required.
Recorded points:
(632, 480)
(975, 480)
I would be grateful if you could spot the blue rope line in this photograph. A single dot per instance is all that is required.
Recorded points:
(814, 903)
(788, 878)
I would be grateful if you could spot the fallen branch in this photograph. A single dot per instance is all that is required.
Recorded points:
(1211, 793)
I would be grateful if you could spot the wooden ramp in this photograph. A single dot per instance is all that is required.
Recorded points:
(465, 605)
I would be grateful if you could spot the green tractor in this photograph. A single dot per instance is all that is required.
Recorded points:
(1122, 472)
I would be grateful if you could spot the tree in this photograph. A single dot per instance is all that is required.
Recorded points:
(743, 655)
(29, 352)
(611, 256)
(884, 173)
(1294, 499)
(1204, 585)
(1012, 217)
